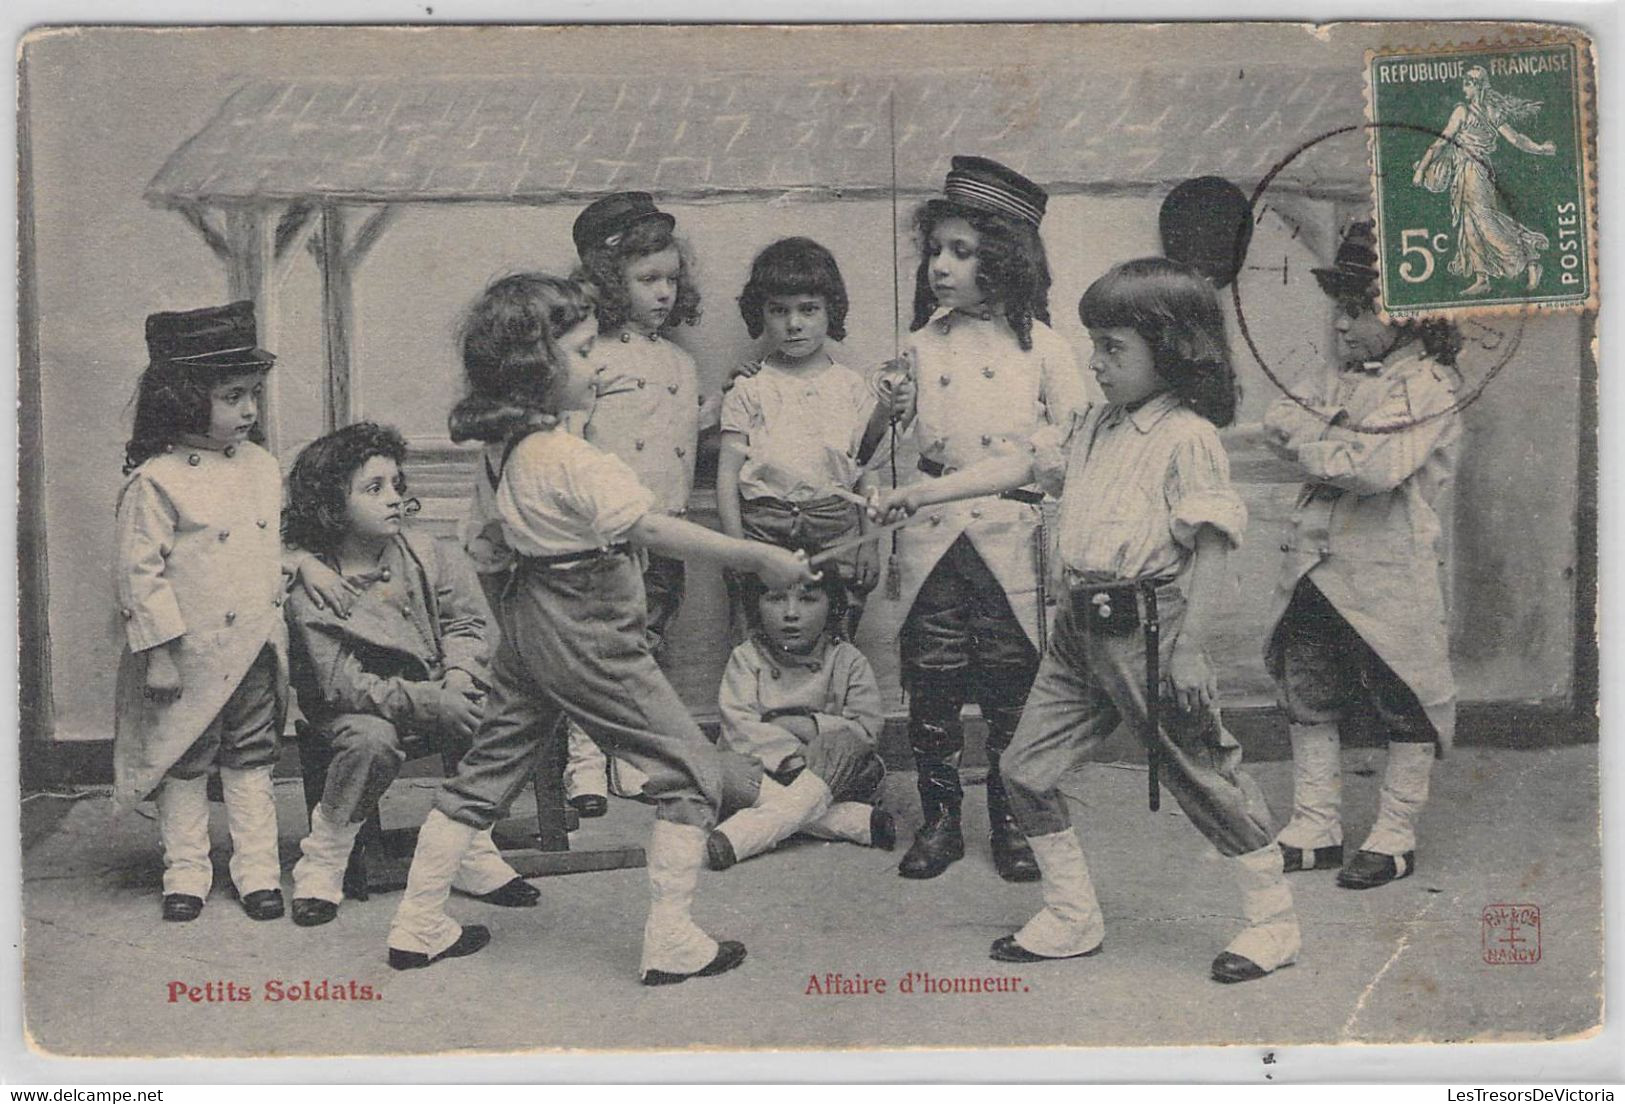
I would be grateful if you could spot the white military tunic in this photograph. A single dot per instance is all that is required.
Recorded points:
(199, 561)
(979, 393)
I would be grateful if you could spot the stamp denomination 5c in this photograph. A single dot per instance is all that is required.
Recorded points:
(1481, 171)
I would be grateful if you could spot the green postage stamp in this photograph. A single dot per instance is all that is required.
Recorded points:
(1481, 168)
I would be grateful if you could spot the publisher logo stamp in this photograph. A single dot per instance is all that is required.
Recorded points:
(1511, 935)
(1480, 162)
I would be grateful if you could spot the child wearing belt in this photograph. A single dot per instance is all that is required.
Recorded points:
(1147, 520)
(987, 372)
(574, 639)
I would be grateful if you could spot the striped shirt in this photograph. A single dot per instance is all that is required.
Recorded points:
(1138, 486)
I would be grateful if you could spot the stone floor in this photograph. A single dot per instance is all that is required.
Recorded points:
(1405, 963)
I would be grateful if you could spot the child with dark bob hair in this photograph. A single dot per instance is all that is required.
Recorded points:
(1175, 311)
(794, 266)
(1147, 520)
(367, 681)
(799, 427)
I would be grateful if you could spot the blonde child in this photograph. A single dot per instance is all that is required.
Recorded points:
(646, 410)
(575, 638)
(409, 659)
(1147, 519)
(797, 432)
(804, 704)
(201, 578)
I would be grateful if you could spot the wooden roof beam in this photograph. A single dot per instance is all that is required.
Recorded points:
(198, 218)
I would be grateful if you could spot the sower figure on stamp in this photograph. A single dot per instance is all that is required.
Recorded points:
(986, 373)
(409, 659)
(1359, 619)
(1147, 520)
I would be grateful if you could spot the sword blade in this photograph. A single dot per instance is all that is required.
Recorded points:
(853, 542)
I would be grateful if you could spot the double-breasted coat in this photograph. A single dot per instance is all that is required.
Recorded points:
(977, 393)
(1365, 530)
(647, 412)
(199, 561)
(424, 615)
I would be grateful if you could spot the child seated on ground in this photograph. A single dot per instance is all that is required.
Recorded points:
(806, 706)
(409, 659)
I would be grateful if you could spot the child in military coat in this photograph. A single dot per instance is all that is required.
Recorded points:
(409, 658)
(987, 372)
(1358, 619)
(201, 577)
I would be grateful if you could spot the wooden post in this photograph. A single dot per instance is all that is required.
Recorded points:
(338, 396)
(251, 246)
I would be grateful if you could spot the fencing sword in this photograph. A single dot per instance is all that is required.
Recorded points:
(838, 547)
(894, 582)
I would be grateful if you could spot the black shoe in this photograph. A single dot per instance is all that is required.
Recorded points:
(472, 939)
(516, 893)
(1368, 869)
(1006, 949)
(729, 955)
(590, 805)
(1325, 858)
(719, 852)
(1230, 968)
(264, 904)
(937, 845)
(181, 907)
(312, 912)
(1012, 857)
(882, 829)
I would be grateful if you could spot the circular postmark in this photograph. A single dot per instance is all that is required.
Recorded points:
(1488, 344)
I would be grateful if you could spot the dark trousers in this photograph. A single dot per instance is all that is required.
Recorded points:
(1325, 670)
(247, 730)
(961, 642)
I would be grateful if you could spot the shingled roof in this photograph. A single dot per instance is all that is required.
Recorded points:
(540, 138)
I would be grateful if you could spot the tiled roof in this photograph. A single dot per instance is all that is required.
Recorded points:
(519, 139)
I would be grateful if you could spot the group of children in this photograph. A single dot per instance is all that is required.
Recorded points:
(553, 623)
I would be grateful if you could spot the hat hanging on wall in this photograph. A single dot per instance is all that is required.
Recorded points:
(1207, 223)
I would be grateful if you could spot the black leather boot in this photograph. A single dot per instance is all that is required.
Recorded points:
(935, 734)
(1012, 858)
(1000, 694)
(939, 842)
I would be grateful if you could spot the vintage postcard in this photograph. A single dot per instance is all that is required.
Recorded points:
(586, 539)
